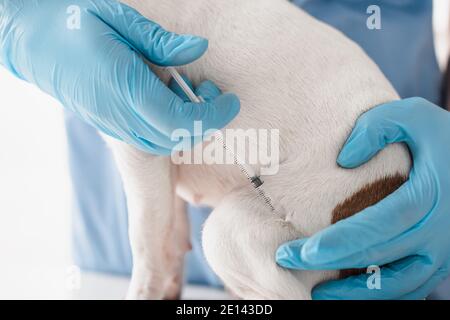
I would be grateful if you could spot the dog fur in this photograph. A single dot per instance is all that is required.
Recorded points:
(292, 73)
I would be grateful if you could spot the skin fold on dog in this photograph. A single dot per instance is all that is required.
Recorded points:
(292, 73)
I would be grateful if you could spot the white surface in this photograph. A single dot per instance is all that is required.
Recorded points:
(34, 193)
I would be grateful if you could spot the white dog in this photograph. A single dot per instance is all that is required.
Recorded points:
(292, 73)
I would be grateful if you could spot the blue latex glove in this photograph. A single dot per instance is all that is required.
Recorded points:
(97, 70)
(408, 232)
(207, 89)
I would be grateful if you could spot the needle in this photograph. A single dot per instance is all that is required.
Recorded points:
(248, 171)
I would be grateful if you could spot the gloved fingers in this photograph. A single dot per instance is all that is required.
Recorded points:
(373, 131)
(388, 123)
(152, 141)
(105, 130)
(138, 134)
(101, 127)
(149, 146)
(208, 90)
(425, 290)
(213, 115)
(10, 17)
(348, 239)
(162, 109)
(404, 245)
(150, 138)
(289, 255)
(370, 135)
(10, 9)
(393, 281)
(156, 44)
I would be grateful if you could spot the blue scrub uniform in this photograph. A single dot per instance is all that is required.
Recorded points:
(403, 49)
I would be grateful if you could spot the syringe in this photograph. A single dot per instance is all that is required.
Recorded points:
(247, 170)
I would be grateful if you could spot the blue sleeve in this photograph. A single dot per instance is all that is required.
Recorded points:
(99, 218)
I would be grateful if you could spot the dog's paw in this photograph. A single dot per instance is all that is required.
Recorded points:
(147, 286)
(174, 290)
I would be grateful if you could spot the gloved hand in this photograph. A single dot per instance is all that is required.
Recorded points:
(88, 55)
(408, 232)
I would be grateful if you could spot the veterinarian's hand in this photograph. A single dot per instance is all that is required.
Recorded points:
(88, 55)
(408, 232)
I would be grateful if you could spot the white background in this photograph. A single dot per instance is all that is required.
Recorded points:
(35, 194)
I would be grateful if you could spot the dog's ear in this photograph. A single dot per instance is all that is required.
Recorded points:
(367, 196)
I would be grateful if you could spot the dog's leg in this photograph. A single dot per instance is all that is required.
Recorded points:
(157, 244)
(240, 239)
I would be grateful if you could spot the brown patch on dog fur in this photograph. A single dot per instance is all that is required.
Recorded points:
(369, 195)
